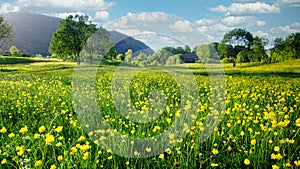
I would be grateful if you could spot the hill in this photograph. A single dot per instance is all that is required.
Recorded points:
(33, 33)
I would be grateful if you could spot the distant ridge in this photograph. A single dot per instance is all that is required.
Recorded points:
(33, 33)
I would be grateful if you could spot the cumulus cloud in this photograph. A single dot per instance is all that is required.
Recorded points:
(282, 31)
(101, 16)
(206, 21)
(148, 17)
(247, 9)
(292, 3)
(6, 7)
(242, 21)
(182, 26)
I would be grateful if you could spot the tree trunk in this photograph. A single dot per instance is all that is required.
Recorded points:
(91, 60)
(233, 63)
(78, 59)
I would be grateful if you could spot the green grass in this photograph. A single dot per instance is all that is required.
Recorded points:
(258, 123)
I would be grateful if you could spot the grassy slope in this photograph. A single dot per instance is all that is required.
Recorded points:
(18, 65)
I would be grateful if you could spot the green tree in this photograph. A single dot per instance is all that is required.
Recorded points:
(128, 56)
(258, 49)
(292, 44)
(120, 57)
(187, 49)
(70, 37)
(6, 34)
(14, 51)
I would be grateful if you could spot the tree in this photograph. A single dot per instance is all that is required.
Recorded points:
(6, 34)
(128, 56)
(203, 51)
(187, 49)
(71, 36)
(239, 39)
(98, 45)
(259, 53)
(120, 57)
(14, 51)
(292, 44)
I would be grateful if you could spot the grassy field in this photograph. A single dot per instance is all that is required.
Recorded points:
(41, 126)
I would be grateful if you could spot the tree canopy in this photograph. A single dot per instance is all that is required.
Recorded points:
(70, 37)
(6, 33)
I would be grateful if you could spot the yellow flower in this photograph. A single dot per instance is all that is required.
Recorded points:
(38, 163)
(20, 152)
(273, 156)
(60, 158)
(127, 163)
(247, 161)
(148, 149)
(58, 144)
(298, 122)
(85, 155)
(49, 139)
(136, 153)
(59, 129)
(242, 133)
(3, 130)
(277, 148)
(278, 156)
(171, 136)
(24, 130)
(110, 157)
(3, 161)
(42, 129)
(215, 151)
(214, 165)
(168, 150)
(11, 135)
(73, 150)
(161, 156)
(81, 138)
(253, 141)
(297, 163)
(53, 167)
(275, 167)
(36, 136)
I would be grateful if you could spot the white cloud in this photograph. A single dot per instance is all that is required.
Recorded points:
(206, 21)
(148, 17)
(293, 3)
(66, 14)
(101, 16)
(242, 21)
(285, 30)
(182, 26)
(247, 8)
(71, 4)
(6, 7)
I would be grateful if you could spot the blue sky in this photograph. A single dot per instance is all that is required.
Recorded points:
(212, 18)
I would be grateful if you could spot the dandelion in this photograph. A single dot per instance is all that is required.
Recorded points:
(110, 157)
(42, 129)
(127, 163)
(247, 161)
(38, 163)
(275, 167)
(136, 153)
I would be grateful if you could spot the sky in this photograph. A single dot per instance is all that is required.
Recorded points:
(175, 22)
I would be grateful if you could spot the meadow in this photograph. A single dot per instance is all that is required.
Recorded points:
(41, 127)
